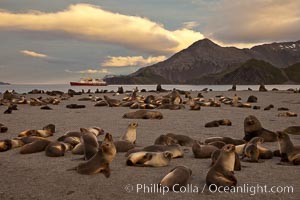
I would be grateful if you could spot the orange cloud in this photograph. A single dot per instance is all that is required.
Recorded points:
(90, 71)
(33, 54)
(90, 22)
(128, 61)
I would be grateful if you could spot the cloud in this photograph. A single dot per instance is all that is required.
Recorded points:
(33, 54)
(190, 25)
(255, 21)
(88, 22)
(90, 71)
(128, 61)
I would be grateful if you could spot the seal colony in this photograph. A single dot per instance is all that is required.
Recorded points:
(99, 149)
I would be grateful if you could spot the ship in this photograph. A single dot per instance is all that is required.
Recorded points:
(89, 82)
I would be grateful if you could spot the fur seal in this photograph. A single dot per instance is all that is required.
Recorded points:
(47, 131)
(203, 151)
(293, 130)
(252, 99)
(100, 162)
(251, 150)
(75, 106)
(221, 173)
(3, 129)
(143, 114)
(287, 149)
(283, 109)
(70, 134)
(46, 108)
(112, 102)
(269, 107)
(95, 130)
(182, 140)
(175, 149)
(37, 145)
(165, 140)
(287, 114)
(90, 143)
(216, 123)
(57, 149)
(237, 163)
(101, 103)
(130, 135)
(218, 144)
(226, 140)
(253, 128)
(6, 145)
(149, 159)
(72, 141)
(123, 146)
(178, 177)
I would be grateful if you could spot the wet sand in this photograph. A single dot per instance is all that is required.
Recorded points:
(36, 176)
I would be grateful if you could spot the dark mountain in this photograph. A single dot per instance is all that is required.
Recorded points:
(279, 54)
(251, 72)
(293, 72)
(204, 59)
(2, 83)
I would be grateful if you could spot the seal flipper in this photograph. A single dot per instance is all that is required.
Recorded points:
(106, 170)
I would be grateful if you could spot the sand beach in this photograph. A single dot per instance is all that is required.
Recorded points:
(35, 176)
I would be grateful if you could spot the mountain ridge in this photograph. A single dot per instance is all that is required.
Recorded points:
(204, 58)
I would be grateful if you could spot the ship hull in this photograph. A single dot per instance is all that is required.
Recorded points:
(87, 84)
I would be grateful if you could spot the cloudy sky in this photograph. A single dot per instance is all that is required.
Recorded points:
(58, 41)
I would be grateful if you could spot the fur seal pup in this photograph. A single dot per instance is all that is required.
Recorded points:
(90, 143)
(293, 130)
(221, 173)
(57, 149)
(176, 178)
(237, 163)
(175, 149)
(143, 114)
(130, 135)
(100, 162)
(253, 128)
(165, 140)
(269, 107)
(3, 129)
(251, 150)
(149, 159)
(203, 151)
(226, 140)
(112, 102)
(37, 145)
(287, 149)
(182, 140)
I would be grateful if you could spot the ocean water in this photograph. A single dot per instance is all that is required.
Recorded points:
(65, 87)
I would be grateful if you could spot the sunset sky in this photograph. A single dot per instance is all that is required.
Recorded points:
(56, 41)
